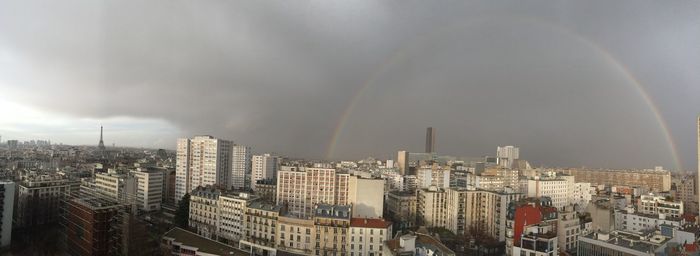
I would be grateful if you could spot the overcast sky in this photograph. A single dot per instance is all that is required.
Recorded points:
(556, 78)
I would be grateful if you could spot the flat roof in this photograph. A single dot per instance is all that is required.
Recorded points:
(201, 243)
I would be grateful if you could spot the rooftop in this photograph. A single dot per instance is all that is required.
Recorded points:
(202, 244)
(369, 223)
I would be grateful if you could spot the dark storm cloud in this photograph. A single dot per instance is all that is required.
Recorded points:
(279, 74)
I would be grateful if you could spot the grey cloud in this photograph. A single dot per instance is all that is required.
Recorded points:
(278, 75)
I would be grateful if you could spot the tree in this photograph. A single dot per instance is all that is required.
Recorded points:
(182, 214)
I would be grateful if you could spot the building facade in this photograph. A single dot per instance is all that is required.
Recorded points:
(201, 161)
(241, 166)
(149, 188)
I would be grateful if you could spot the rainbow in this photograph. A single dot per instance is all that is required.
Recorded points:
(608, 57)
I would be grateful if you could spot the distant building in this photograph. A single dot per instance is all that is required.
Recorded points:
(430, 140)
(654, 179)
(264, 167)
(507, 155)
(7, 201)
(116, 186)
(241, 166)
(402, 160)
(267, 190)
(653, 204)
(201, 161)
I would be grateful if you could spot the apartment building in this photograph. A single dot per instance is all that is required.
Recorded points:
(568, 229)
(149, 188)
(402, 207)
(261, 224)
(231, 215)
(204, 211)
(367, 236)
(120, 187)
(431, 209)
(631, 220)
(478, 210)
(40, 198)
(653, 204)
(332, 223)
(656, 179)
(264, 166)
(241, 167)
(302, 188)
(296, 235)
(201, 161)
(7, 201)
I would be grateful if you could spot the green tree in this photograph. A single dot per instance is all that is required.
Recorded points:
(182, 214)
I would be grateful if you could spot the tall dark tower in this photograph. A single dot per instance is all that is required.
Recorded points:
(430, 140)
(101, 145)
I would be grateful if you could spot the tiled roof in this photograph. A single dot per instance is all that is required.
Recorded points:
(369, 223)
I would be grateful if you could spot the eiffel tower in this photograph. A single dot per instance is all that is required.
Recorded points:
(101, 145)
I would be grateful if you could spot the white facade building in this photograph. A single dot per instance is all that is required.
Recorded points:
(506, 156)
(264, 167)
(367, 236)
(119, 187)
(149, 191)
(241, 167)
(201, 161)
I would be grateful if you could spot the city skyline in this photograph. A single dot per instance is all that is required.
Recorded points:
(369, 86)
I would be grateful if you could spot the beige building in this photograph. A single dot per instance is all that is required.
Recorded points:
(401, 207)
(204, 211)
(116, 186)
(482, 210)
(332, 224)
(263, 167)
(431, 209)
(568, 229)
(231, 215)
(296, 235)
(302, 188)
(367, 236)
(201, 161)
(656, 179)
(261, 220)
(655, 205)
(149, 188)
(402, 160)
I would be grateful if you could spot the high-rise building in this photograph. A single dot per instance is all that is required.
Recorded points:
(430, 140)
(402, 159)
(89, 226)
(7, 201)
(241, 167)
(506, 156)
(201, 161)
(302, 188)
(264, 167)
